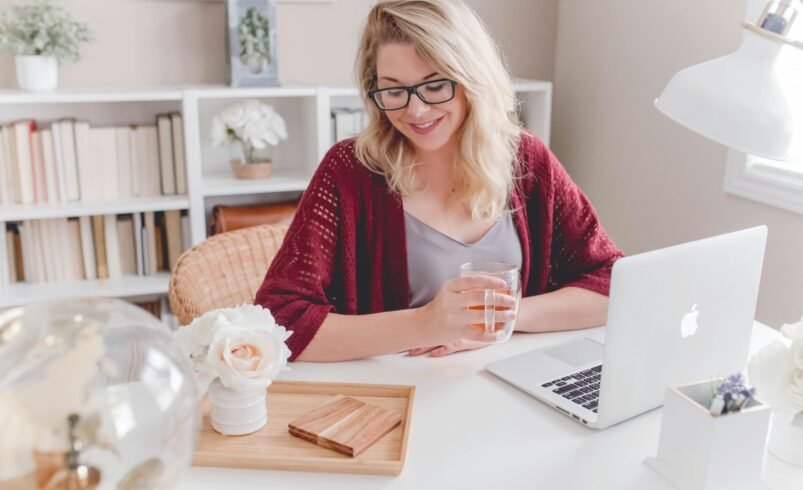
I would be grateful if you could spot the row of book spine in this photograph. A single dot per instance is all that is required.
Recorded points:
(347, 122)
(95, 247)
(69, 160)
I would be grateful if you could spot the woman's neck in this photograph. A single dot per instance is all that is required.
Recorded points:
(435, 167)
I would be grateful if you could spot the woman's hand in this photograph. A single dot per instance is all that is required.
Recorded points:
(445, 350)
(447, 319)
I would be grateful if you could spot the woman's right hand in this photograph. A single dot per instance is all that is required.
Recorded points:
(447, 318)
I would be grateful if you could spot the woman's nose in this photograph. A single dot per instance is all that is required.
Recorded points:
(417, 106)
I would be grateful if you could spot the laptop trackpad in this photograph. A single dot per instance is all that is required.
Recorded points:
(577, 353)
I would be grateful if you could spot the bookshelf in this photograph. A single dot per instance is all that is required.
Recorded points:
(306, 109)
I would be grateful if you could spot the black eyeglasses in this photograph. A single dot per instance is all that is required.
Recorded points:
(431, 92)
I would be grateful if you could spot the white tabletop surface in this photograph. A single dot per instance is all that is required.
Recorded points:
(471, 430)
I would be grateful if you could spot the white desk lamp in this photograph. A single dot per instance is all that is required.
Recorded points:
(739, 100)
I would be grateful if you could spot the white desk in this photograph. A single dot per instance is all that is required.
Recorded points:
(471, 430)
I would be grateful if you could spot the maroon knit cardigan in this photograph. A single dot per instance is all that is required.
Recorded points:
(345, 251)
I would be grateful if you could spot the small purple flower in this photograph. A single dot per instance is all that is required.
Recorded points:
(731, 395)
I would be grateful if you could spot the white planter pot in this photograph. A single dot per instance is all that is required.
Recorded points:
(698, 451)
(37, 73)
(786, 440)
(237, 412)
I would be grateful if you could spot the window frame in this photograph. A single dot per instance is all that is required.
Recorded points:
(765, 181)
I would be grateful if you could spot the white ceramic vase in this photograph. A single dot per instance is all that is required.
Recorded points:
(37, 73)
(237, 412)
(786, 440)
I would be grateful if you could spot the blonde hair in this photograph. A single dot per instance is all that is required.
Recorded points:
(453, 40)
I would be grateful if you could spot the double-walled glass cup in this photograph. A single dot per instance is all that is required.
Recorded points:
(510, 274)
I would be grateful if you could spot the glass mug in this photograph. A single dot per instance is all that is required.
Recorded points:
(510, 274)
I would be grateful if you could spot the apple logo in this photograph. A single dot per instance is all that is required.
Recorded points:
(688, 326)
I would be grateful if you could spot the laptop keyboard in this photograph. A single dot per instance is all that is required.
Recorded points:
(581, 387)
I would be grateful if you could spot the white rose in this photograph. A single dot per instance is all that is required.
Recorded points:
(768, 371)
(245, 358)
(777, 382)
(794, 390)
(793, 331)
(219, 132)
(797, 353)
(199, 333)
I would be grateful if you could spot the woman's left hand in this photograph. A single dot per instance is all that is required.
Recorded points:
(445, 350)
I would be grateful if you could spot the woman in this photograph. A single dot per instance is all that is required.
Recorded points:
(443, 171)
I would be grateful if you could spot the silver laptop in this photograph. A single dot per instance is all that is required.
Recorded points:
(675, 315)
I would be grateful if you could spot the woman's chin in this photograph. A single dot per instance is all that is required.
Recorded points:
(428, 142)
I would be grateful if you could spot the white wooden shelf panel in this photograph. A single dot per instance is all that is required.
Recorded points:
(224, 184)
(89, 96)
(19, 212)
(121, 287)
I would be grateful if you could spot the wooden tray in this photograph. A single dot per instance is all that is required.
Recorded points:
(272, 447)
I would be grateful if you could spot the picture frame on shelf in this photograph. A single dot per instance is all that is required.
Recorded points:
(251, 48)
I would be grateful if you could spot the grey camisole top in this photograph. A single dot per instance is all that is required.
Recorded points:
(433, 257)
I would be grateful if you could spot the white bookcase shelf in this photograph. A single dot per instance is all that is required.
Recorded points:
(224, 184)
(85, 96)
(121, 287)
(306, 110)
(20, 212)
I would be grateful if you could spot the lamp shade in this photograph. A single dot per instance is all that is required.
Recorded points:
(738, 100)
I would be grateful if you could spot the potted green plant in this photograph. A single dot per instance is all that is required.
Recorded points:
(41, 35)
(250, 128)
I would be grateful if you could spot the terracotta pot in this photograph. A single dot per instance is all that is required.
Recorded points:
(251, 170)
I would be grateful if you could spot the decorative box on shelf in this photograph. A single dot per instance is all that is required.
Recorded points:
(701, 451)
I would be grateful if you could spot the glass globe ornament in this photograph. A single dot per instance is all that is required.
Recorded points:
(94, 393)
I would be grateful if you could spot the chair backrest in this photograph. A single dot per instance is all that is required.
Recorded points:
(223, 271)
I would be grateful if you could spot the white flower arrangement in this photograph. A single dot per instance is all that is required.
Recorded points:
(42, 29)
(254, 124)
(777, 373)
(242, 346)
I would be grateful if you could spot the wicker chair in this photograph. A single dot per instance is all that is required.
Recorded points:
(223, 271)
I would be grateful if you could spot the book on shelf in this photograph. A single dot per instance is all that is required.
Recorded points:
(110, 246)
(159, 238)
(72, 160)
(99, 236)
(139, 244)
(65, 152)
(11, 187)
(177, 125)
(166, 163)
(127, 245)
(16, 270)
(88, 247)
(6, 193)
(77, 267)
(21, 155)
(38, 168)
(347, 123)
(49, 166)
(126, 171)
(149, 242)
(172, 220)
(113, 261)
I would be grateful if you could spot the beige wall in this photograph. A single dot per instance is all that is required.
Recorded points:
(654, 182)
(161, 42)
